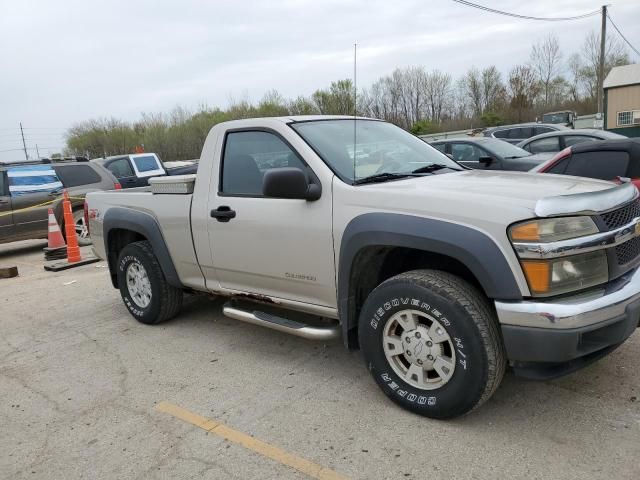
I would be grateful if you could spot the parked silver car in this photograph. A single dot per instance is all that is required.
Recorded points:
(521, 131)
(553, 142)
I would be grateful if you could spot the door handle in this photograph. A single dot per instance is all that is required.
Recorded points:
(223, 213)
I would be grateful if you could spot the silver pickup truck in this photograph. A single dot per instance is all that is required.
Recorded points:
(330, 226)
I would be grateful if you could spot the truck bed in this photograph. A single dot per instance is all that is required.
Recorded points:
(168, 210)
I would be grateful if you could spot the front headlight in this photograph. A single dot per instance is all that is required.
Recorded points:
(552, 229)
(564, 274)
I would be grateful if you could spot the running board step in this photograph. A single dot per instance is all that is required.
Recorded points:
(282, 324)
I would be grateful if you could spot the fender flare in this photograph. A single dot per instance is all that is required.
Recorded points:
(147, 226)
(471, 247)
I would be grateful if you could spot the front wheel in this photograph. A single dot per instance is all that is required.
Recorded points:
(143, 287)
(432, 343)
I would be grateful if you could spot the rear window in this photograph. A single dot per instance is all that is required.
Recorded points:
(540, 130)
(76, 175)
(602, 165)
(146, 164)
(570, 140)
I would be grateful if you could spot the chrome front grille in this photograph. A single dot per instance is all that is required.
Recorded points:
(628, 251)
(621, 216)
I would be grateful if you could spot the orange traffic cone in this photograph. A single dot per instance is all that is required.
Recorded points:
(73, 250)
(56, 240)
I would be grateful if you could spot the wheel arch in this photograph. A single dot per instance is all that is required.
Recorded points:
(377, 246)
(122, 226)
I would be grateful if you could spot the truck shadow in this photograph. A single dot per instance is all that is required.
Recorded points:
(517, 401)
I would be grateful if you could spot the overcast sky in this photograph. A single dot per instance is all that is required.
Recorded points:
(66, 61)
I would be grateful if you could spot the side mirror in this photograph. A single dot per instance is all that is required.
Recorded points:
(289, 182)
(485, 161)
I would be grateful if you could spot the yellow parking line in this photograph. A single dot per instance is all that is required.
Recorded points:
(263, 448)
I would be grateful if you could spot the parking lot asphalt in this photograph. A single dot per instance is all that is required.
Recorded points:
(86, 392)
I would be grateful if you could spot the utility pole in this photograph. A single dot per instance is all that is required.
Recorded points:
(603, 42)
(24, 145)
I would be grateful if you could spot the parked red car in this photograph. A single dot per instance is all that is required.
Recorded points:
(613, 160)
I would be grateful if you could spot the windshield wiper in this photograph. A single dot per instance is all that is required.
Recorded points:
(383, 177)
(432, 168)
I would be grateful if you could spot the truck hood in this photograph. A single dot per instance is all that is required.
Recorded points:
(472, 194)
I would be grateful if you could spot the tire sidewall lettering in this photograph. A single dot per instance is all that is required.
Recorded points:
(395, 386)
(123, 264)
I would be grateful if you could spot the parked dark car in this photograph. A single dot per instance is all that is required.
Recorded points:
(614, 160)
(135, 170)
(521, 131)
(29, 189)
(489, 153)
(553, 142)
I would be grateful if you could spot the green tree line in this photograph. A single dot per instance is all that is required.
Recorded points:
(413, 98)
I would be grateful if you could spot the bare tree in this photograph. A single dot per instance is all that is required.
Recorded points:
(546, 62)
(616, 54)
(523, 88)
(574, 64)
(493, 90)
(472, 84)
(437, 89)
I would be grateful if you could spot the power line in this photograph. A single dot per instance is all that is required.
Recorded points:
(31, 148)
(623, 37)
(527, 17)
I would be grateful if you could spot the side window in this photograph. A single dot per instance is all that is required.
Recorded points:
(560, 167)
(605, 166)
(75, 175)
(515, 133)
(121, 168)
(463, 152)
(247, 155)
(439, 146)
(544, 145)
(575, 139)
(526, 132)
(501, 134)
(539, 130)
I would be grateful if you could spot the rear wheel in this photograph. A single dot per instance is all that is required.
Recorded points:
(432, 343)
(82, 232)
(143, 287)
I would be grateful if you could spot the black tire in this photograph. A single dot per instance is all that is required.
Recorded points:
(474, 339)
(165, 301)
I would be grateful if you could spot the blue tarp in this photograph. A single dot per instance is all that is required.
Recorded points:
(32, 179)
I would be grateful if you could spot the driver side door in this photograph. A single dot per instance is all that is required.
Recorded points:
(276, 247)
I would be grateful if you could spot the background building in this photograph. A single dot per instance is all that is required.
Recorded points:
(622, 100)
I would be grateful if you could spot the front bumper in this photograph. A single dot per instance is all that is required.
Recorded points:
(546, 339)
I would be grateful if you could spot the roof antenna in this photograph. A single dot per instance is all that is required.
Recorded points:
(355, 110)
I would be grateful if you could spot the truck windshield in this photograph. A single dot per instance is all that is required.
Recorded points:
(561, 117)
(371, 148)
